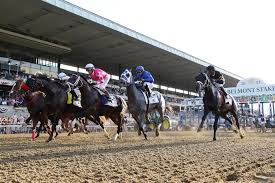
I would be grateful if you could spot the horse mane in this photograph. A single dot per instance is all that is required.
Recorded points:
(60, 84)
(84, 78)
(52, 81)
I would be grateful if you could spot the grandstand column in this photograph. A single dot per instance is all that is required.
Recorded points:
(262, 108)
(58, 64)
(270, 109)
(273, 108)
(119, 69)
(259, 108)
(252, 109)
(159, 83)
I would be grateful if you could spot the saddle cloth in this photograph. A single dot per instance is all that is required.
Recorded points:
(153, 99)
(113, 102)
(104, 100)
(227, 100)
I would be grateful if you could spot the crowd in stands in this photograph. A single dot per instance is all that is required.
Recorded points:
(13, 75)
(13, 120)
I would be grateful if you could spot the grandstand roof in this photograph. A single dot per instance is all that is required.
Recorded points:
(79, 36)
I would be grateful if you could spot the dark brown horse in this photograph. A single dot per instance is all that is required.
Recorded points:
(92, 106)
(214, 101)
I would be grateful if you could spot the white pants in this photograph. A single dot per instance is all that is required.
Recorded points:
(150, 85)
(103, 85)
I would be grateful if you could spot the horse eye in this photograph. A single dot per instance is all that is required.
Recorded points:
(127, 75)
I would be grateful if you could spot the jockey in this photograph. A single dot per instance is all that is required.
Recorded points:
(146, 79)
(217, 77)
(99, 77)
(75, 92)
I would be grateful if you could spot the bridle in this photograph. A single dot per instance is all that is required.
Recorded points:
(73, 85)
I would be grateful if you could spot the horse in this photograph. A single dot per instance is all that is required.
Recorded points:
(137, 103)
(214, 101)
(92, 105)
(35, 103)
(55, 99)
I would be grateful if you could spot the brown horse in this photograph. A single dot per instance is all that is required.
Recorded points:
(214, 101)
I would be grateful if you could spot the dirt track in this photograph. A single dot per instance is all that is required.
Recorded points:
(173, 157)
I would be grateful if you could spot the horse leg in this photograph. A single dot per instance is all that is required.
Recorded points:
(97, 120)
(44, 123)
(205, 113)
(118, 120)
(237, 123)
(57, 128)
(54, 124)
(215, 126)
(142, 119)
(39, 129)
(71, 127)
(160, 111)
(28, 120)
(119, 130)
(34, 124)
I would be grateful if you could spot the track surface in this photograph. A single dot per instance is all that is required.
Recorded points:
(173, 157)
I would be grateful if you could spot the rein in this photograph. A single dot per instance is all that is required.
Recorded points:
(73, 85)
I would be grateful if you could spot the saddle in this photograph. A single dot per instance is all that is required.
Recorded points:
(112, 101)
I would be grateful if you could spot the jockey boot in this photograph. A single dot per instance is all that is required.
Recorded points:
(107, 94)
(148, 91)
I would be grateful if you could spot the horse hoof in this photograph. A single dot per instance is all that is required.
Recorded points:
(199, 129)
(157, 134)
(214, 139)
(145, 136)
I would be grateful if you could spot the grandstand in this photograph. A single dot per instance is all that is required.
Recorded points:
(54, 35)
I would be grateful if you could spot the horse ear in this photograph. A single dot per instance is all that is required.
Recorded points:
(130, 69)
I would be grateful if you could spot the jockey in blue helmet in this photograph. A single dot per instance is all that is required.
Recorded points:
(145, 78)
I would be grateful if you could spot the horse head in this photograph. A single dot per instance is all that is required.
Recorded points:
(77, 81)
(126, 78)
(202, 83)
(16, 88)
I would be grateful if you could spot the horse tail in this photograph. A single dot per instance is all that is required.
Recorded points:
(234, 104)
(147, 108)
(124, 106)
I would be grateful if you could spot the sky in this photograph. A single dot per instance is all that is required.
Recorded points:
(236, 35)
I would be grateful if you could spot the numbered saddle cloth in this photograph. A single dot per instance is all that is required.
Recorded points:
(110, 102)
(153, 99)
